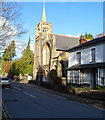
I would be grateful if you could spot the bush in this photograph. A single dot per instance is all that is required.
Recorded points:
(100, 87)
(32, 82)
(56, 80)
(52, 74)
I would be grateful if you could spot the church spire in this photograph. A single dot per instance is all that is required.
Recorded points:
(44, 13)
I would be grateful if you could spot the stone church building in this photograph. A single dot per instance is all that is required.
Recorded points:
(48, 52)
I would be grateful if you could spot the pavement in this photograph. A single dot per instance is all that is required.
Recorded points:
(96, 103)
(5, 115)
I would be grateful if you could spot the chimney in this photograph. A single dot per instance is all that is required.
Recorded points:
(82, 40)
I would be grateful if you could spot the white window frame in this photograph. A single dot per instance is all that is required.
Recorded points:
(92, 55)
(78, 57)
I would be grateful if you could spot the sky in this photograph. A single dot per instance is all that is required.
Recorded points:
(67, 18)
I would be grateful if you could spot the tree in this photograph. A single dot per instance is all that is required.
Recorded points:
(15, 68)
(7, 57)
(6, 66)
(87, 36)
(10, 52)
(28, 60)
(10, 26)
(10, 29)
(25, 63)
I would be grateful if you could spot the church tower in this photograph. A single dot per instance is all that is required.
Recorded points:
(43, 27)
(42, 45)
(46, 54)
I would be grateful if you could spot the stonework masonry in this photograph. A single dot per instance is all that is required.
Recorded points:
(46, 56)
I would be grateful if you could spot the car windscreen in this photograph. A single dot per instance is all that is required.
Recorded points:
(5, 79)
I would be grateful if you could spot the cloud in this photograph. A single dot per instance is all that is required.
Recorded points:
(8, 33)
(69, 35)
(73, 36)
(78, 35)
(6, 28)
(32, 47)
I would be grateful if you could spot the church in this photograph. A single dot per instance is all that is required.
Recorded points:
(49, 50)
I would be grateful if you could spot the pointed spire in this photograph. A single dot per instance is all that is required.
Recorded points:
(44, 13)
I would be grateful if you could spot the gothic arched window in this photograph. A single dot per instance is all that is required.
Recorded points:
(46, 54)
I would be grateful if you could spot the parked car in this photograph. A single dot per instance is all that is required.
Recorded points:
(5, 82)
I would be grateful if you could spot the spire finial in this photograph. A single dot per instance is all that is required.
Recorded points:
(44, 12)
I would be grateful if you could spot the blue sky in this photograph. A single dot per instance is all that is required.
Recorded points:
(67, 18)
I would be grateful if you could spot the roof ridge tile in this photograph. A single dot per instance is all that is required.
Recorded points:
(65, 36)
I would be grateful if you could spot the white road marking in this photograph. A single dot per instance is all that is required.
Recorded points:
(17, 88)
(28, 84)
(29, 94)
(100, 108)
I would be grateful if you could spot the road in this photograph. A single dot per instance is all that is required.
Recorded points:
(25, 101)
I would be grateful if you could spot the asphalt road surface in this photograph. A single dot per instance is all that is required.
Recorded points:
(25, 101)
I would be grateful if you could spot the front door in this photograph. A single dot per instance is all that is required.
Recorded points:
(94, 79)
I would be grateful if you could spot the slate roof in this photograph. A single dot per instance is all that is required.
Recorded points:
(87, 44)
(65, 42)
(85, 66)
